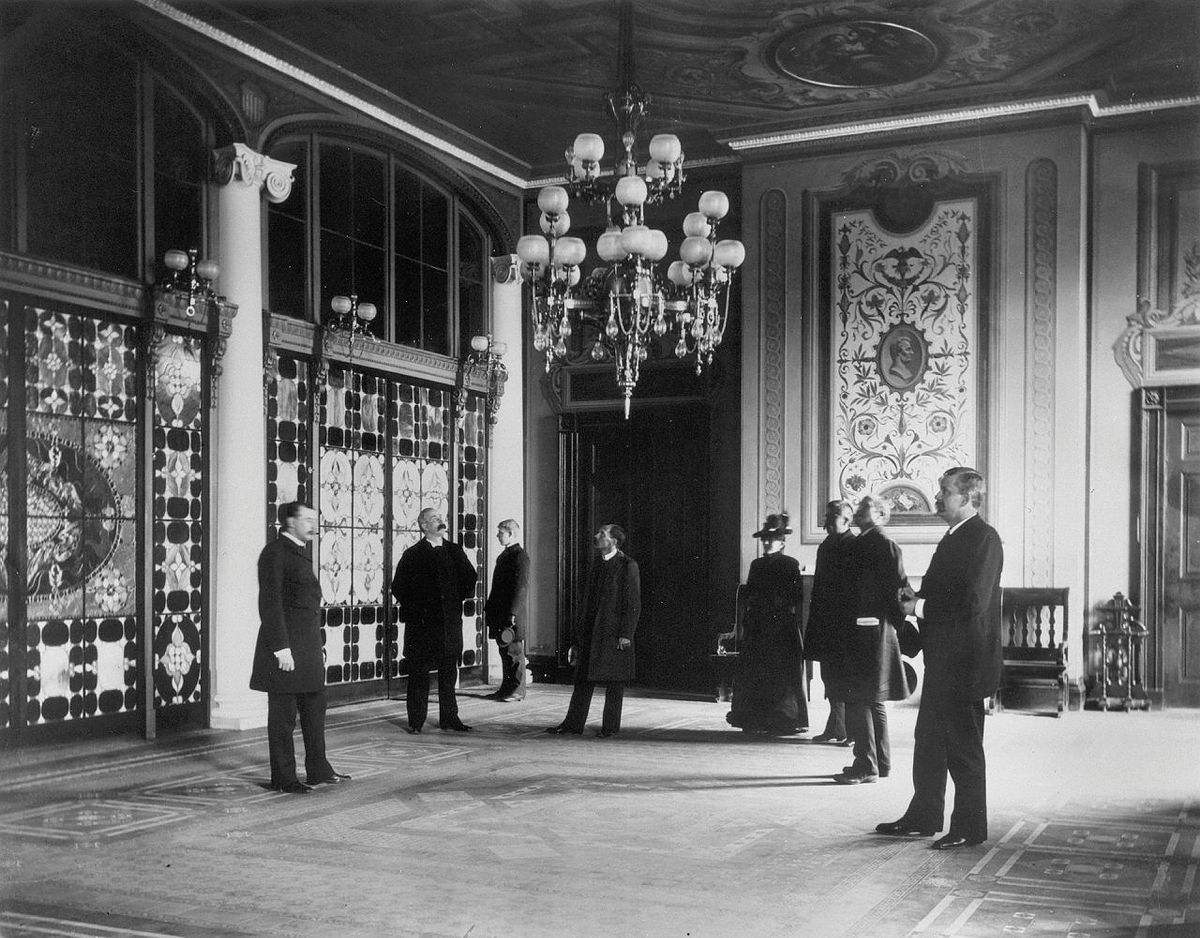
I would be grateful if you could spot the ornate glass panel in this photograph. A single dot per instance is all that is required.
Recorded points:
(472, 510)
(288, 420)
(351, 549)
(179, 520)
(81, 652)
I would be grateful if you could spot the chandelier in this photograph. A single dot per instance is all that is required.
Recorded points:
(631, 302)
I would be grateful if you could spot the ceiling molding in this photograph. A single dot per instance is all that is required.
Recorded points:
(329, 89)
(980, 114)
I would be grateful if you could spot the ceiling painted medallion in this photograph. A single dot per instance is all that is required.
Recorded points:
(855, 54)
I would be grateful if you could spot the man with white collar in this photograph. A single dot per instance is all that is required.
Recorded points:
(289, 657)
(602, 651)
(959, 611)
(433, 579)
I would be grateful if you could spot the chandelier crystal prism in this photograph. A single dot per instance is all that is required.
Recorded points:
(628, 299)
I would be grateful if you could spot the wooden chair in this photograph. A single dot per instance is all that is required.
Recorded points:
(1033, 625)
(726, 657)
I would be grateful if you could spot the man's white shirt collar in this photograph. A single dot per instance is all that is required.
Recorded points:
(292, 537)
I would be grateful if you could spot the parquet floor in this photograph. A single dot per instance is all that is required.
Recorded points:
(680, 826)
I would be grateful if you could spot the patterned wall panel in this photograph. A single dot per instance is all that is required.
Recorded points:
(6, 701)
(472, 515)
(419, 431)
(81, 634)
(905, 375)
(179, 523)
(289, 417)
(351, 504)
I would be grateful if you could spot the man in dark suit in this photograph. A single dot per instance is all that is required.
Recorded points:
(433, 579)
(504, 611)
(289, 663)
(958, 607)
(831, 602)
(602, 651)
(874, 672)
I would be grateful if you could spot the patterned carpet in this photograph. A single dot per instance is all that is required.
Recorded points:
(680, 826)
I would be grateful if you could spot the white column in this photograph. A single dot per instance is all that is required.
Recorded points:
(239, 447)
(506, 476)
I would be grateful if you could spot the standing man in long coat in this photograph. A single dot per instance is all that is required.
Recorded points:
(831, 603)
(504, 611)
(289, 661)
(958, 608)
(602, 651)
(433, 579)
(874, 671)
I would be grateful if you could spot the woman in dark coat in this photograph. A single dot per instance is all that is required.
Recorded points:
(769, 695)
(874, 672)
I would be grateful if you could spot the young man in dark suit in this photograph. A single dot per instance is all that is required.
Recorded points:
(504, 611)
(602, 651)
(958, 607)
(289, 662)
(433, 579)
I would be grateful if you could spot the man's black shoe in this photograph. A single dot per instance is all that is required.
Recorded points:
(293, 788)
(562, 729)
(458, 726)
(606, 734)
(954, 841)
(332, 779)
(413, 730)
(902, 828)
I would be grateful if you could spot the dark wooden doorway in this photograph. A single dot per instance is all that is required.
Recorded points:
(650, 474)
(1171, 540)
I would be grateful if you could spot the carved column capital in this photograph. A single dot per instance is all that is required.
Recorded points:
(506, 268)
(238, 163)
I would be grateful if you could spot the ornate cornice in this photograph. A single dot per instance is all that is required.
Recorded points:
(298, 337)
(908, 166)
(72, 284)
(238, 163)
(975, 115)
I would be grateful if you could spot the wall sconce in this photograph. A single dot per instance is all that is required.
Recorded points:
(350, 318)
(487, 358)
(190, 276)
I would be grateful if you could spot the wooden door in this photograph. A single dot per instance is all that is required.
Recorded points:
(650, 474)
(1179, 572)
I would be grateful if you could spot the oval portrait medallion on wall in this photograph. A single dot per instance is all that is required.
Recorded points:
(855, 54)
(902, 357)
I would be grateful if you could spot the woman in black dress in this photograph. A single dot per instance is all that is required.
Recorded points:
(769, 695)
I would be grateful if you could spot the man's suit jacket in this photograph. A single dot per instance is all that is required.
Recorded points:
(961, 626)
(510, 583)
(832, 600)
(872, 667)
(289, 612)
(431, 594)
(612, 607)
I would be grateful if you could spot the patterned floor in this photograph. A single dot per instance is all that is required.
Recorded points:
(678, 827)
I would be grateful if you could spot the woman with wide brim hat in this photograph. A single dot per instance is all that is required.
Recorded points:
(769, 695)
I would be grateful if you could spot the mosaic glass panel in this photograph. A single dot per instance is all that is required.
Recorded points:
(351, 505)
(81, 454)
(179, 520)
(472, 512)
(420, 439)
(904, 348)
(289, 417)
(80, 667)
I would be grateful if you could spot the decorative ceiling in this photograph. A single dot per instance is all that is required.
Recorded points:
(515, 80)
